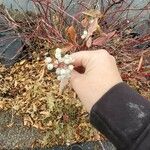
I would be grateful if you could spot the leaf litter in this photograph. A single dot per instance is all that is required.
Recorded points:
(34, 95)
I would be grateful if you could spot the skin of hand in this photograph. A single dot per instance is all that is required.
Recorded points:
(100, 75)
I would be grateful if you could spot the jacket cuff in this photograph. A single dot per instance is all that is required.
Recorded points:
(121, 115)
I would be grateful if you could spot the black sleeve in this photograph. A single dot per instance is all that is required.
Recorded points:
(123, 116)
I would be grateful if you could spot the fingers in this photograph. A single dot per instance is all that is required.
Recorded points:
(75, 79)
(81, 58)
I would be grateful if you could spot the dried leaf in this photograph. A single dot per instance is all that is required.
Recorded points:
(92, 28)
(34, 107)
(42, 74)
(10, 125)
(140, 63)
(68, 47)
(49, 124)
(71, 34)
(27, 121)
(45, 113)
(56, 131)
(65, 118)
(102, 40)
(38, 125)
(93, 13)
(2, 104)
(85, 22)
(16, 107)
(97, 137)
(50, 102)
(22, 62)
(15, 84)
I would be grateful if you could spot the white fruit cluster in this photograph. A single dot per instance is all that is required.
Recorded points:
(63, 65)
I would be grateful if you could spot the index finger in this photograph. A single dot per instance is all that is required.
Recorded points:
(80, 58)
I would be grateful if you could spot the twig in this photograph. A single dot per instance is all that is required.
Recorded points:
(115, 3)
(140, 63)
(102, 145)
(9, 16)
(68, 5)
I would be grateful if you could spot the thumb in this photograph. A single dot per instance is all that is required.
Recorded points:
(76, 79)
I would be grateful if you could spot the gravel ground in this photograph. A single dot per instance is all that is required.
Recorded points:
(20, 136)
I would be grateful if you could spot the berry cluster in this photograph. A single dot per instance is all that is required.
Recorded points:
(63, 65)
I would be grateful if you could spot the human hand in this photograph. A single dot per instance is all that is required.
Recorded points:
(101, 74)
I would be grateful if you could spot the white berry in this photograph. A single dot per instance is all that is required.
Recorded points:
(58, 55)
(67, 76)
(59, 78)
(68, 71)
(85, 32)
(67, 56)
(58, 71)
(48, 60)
(63, 77)
(62, 71)
(50, 66)
(67, 61)
(58, 51)
(70, 67)
(60, 60)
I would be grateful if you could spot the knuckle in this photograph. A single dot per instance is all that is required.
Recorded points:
(113, 58)
(104, 52)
